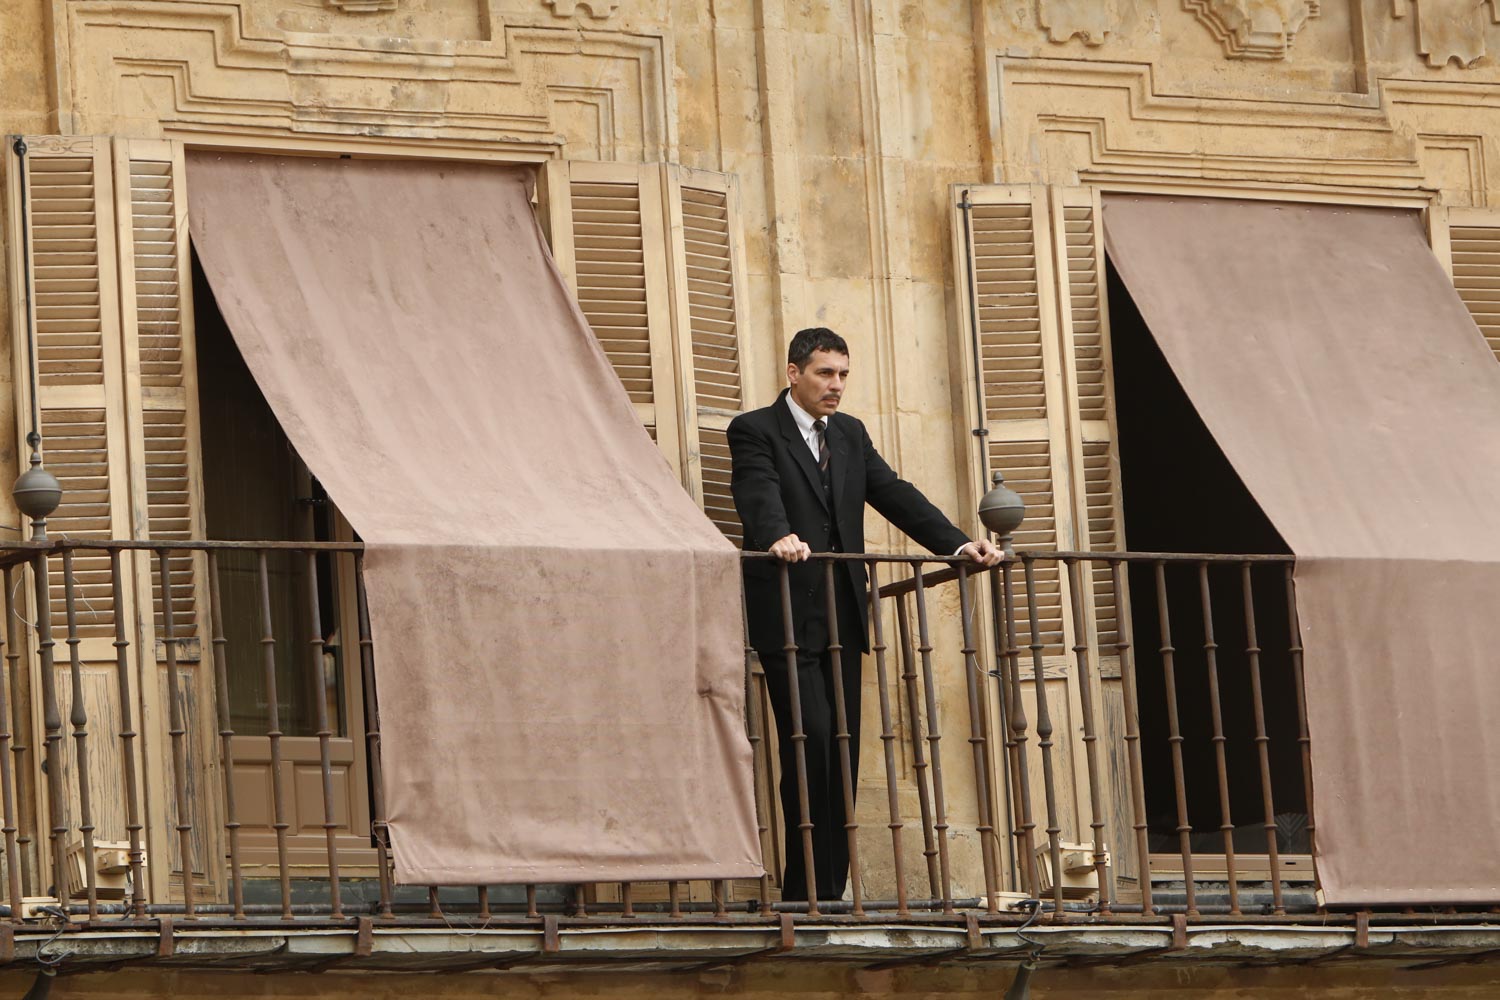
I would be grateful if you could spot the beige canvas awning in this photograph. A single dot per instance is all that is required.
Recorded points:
(556, 625)
(1331, 358)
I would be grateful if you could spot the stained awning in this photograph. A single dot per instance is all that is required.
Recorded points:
(1331, 358)
(556, 625)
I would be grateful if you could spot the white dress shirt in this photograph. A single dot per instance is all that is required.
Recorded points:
(805, 422)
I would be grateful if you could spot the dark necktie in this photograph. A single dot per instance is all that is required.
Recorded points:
(818, 426)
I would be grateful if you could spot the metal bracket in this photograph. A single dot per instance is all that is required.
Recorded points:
(1362, 929)
(166, 945)
(1179, 932)
(364, 937)
(551, 944)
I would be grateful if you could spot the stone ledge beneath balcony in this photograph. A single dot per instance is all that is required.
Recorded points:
(617, 946)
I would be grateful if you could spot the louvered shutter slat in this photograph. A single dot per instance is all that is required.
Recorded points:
(1475, 246)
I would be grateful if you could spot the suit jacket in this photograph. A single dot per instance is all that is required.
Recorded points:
(778, 491)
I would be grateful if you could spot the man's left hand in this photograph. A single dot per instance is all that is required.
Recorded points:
(984, 552)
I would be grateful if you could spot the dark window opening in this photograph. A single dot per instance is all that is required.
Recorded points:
(1181, 494)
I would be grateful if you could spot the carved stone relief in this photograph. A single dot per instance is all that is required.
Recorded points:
(1449, 30)
(1090, 20)
(523, 80)
(598, 9)
(1254, 29)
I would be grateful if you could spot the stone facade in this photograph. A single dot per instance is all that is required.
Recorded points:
(846, 125)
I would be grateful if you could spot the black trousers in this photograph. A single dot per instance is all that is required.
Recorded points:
(825, 782)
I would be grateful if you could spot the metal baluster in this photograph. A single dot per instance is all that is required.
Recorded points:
(1124, 649)
(1026, 829)
(325, 733)
(177, 730)
(799, 738)
(1262, 741)
(273, 737)
(482, 898)
(841, 736)
(887, 737)
(1044, 739)
(7, 785)
(986, 828)
(226, 732)
(934, 737)
(51, 725)
(674, 901)
(1084, 667)
(78, 716)
(1211, 658)
(918, 751)
(1303, 740)
(1174, 738)
(754, 726)
(21, 733)
(378, 825)
(133, 825)
(627, 899)
(773, 764)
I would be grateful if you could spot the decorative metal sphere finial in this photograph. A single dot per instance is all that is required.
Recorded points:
(1002, 510)
(37, 492)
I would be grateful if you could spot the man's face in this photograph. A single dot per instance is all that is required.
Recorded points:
(818, 387)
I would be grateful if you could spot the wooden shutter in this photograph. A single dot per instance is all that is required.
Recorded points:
(69, 219)
(1474, 242)
(654, 254)
(1083, 327)
(1013, 384)
(708, 269)
(161, 386)
(608, 238)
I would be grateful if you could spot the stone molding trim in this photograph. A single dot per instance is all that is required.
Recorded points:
(1254, 29)
(1449, 32)
(363, 6)
(1090, 20)
(1069, 122)
(599, 10)
(146, 67)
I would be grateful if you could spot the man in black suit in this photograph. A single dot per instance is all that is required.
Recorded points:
(802, 475)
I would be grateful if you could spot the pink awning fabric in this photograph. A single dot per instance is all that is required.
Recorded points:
(556, 626)
(1328, 353)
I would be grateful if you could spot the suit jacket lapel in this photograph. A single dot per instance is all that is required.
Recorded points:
(801, 453)
(838, 452)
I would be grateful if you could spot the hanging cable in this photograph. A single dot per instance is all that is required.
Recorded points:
(33, 438)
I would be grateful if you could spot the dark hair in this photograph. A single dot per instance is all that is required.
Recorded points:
(816, 338)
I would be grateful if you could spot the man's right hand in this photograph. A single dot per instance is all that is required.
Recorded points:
(790, 549)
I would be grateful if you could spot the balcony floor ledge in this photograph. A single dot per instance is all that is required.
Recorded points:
(662, 947)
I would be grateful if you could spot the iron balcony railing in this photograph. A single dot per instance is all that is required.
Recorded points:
(1067, 736)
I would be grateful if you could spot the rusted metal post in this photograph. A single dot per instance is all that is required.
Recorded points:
(1044, 740)
(1124, 649)
(1262, 741)
(177, 730)
(1174, 738)
(986, 828)
(1084, 666)
(1026, 828)
(78, 716)
(7, 785)
(841, 735)
(754, 726)
(23, 765)
(133, 825)
(273, 736)
(887, 737)
(918, 753)
(1211, 662)
(799, 738)
(51, 725)
(934, 736)
(378, 825)
(226, 732)
(325, 732)
(1304, 742)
